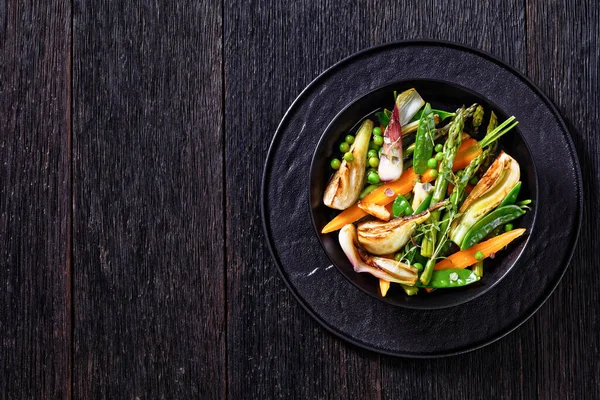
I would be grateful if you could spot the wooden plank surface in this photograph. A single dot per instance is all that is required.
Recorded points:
(275, 349)
(148, 250)
(563, 50)
(34, 200)
(174, 294)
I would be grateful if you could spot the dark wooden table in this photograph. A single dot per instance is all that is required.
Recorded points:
(132, 259)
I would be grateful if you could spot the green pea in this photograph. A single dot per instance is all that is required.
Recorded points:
(373, 146)
(474, 180)
(348, 157)
(373, 153)
(349, 139)
(479, 256)
(439, 147)
(418, 266)
(432, 163)
(373, 177)
(434, 173)
(335, 163)
(439, 156)
(374, 162)
(377, 131)
(378, 140)
(508, 227)
(344, 147)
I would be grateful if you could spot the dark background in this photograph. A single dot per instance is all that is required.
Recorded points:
(132, 139)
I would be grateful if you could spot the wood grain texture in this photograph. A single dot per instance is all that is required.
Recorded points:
(148, 200)
(563, 50)
(275, 350)
(175, 294)
(34, 200)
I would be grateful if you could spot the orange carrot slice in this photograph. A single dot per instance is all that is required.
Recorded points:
(384, 286)
(466, 258)
(467, 152)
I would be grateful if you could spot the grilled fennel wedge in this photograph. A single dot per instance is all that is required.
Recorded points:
(383, 268)
(344, 187)
(388, 237)
(495, 184)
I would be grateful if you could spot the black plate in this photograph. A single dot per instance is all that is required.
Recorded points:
(364, 320)
(445, 96)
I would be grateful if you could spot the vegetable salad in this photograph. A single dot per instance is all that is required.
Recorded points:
(423, 203)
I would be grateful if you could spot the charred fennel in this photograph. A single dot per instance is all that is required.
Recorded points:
(346, 184)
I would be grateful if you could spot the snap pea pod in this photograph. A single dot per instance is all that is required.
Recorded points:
(424, 140)
(424, 204)
(487, 224)
(478, 268)
(367, 190)
(401, 206)
(438, 133)
(440, 113)
(511, 197)
(450, 278)
(410, 290)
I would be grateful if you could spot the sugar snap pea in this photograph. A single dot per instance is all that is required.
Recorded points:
(511, 197)
(478, 268)
(424, 204)
(441, 113)
(401, 206)
(487, 224)
(424, 140)
(410, 290)
(450, 278)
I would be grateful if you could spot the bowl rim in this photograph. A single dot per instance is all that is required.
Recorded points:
(325, 135)
(460, 47)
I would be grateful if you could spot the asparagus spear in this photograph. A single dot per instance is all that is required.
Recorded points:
(441, 183)
(493, 122)
(477, 117)
(490, 128)
(457, 194)
(468, 113)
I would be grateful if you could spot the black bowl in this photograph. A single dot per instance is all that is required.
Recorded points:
(442, 95)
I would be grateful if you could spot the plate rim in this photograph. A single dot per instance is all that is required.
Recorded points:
(461, 47)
